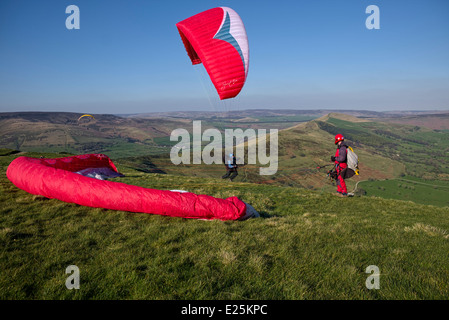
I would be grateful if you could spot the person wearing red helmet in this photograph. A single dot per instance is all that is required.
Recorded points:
(340, 160)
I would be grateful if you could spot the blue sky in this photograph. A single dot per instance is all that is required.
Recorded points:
(127, 57)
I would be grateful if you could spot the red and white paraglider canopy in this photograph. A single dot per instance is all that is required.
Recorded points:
(217, 38)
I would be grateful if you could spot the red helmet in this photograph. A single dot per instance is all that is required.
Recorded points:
(339, 137)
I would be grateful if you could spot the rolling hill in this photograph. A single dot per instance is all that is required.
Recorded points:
(386, 150)
(63, 132)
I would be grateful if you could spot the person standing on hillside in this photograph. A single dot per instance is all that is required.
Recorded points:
(340, 160)
(231, 168)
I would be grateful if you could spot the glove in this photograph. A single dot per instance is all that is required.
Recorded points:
(333, 158)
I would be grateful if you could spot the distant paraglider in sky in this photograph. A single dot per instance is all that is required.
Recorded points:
(86, 115)
(85, 120)
(217, 38)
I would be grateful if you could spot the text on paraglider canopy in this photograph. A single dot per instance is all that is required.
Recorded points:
(256, 144)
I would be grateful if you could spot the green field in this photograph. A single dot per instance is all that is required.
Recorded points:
(306, 245)
(434, 192)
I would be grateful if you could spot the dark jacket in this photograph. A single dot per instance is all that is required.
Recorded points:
(341, 155)
(231, 164)
(341, 159)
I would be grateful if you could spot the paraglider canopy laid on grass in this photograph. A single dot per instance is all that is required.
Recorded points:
(217, 38)
(82, 180)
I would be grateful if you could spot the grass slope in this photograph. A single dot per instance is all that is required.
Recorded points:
(306, 245)
(387, 152)
(423, 151)
(409, 188)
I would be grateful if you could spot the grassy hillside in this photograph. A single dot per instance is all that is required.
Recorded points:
(414, 189)
(306, 245)
(302, 148)
(431, 121)
(423, 151)
(118, 136)
(63, 132)
(386, 150)
(308, 146)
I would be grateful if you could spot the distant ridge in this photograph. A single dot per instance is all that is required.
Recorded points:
(341, 116)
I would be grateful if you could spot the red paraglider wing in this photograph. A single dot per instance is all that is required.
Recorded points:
(217, 38)
(57, 178)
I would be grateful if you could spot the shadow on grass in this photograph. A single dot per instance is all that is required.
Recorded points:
(7, 152)
(266, 215)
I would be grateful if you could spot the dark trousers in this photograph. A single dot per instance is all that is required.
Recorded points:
(231, 174)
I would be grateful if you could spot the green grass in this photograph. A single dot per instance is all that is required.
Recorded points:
(306, 245)
(414, 189)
